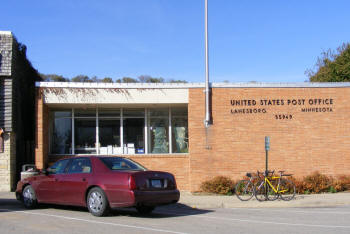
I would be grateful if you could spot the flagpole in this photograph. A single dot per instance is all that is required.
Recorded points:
(207, 111)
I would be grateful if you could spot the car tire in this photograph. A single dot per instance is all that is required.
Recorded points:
(145, 209)
(97, 202)
(29, 198)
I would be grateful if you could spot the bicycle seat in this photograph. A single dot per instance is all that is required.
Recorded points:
(281, 172)
(249, 174)
(267, 173)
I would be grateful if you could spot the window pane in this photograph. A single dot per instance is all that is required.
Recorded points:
(134, 135)
(115, 163)
(58, 114)
(85, 113)
(134, 112)
(61, 138)
(163, 112)
(58, 167)
(80, 165)
(85, 136)
(179, 135)
(109, 136)
(159, 138)
(109, 113)
(179, 111)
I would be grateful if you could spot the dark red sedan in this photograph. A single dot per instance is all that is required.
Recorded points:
(99, 183)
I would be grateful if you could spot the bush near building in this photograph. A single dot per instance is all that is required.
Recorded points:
(218, 185)
(310, 184)
(319, 183)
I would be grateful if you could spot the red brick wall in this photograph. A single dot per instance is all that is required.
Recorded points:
(306, 143)
(41, 132)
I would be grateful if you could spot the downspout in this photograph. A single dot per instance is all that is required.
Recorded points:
(207, 91)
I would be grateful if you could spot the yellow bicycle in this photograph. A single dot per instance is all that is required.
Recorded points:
(271, 187)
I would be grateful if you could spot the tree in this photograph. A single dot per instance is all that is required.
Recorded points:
(95, 79)
(53, 77)
(332, 66)
(81, 78)
(107, 80)
(150, 79)
(128, 80)
(177, 81)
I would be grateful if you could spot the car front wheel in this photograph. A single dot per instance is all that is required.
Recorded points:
(97, 202)
(29, 197)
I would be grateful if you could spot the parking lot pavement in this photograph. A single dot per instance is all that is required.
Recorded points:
(177, 218)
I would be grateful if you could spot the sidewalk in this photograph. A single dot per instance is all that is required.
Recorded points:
(215, 201)
(314, 200)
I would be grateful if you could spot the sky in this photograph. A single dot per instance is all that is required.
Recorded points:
(261, 41)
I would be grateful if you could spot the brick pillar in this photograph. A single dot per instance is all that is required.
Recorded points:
(41, 133)
(8, 162)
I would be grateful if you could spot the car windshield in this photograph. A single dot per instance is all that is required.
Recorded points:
(118, 164)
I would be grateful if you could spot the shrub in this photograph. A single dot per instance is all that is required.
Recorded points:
(313, 183)
(319, 183)
(342, 183)
(218, 185)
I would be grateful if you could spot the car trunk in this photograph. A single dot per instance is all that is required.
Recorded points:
(153, 181)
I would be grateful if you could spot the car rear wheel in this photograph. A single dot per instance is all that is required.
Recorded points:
(29, 197)
(97, 202)
(145, 209)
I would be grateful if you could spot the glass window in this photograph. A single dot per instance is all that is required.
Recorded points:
(161, 112)
(79, 165)
(137, 112)
(61, 114)
(134, 135)
(85, 136)
(105, 129)
(109, 136)
(109, 113)
(179, 111)
(85, 113)
(159, 131)
(179, 125)
(61, 136)
(116, 163)
(179, 135)
(58, 167)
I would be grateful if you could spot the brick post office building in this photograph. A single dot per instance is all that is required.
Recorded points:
(162, 126)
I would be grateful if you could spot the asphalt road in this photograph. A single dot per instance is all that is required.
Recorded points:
(174, 219)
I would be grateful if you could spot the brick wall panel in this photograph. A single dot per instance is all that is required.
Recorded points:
(308, 142)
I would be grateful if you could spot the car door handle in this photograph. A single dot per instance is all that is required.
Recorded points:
(84, 179)
(56, 179)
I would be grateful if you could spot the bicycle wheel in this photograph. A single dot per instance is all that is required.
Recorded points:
(287, 190)
(260, 191)
(271, 194)
(244, 190)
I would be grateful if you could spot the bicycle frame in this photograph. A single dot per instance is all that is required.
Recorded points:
(276, 190)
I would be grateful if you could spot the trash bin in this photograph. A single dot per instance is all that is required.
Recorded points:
(28, 170)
